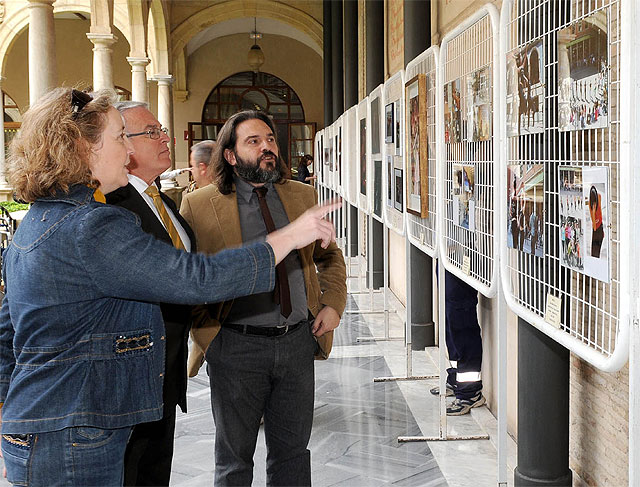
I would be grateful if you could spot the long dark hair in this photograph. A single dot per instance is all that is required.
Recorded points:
(220, 170)
(593, 197)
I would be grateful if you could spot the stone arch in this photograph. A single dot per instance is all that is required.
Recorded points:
(158, 39)
(234, 9)
(16, 23)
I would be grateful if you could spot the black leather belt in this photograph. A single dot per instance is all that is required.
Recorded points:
(265, 331)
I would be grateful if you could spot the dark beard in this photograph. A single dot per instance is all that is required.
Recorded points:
(253, 173)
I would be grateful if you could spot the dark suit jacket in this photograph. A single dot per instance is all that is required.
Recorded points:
(177, 318)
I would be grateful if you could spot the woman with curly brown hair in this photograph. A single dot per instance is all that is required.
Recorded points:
(81, 338)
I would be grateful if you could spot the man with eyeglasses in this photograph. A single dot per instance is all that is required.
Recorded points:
(150, 449)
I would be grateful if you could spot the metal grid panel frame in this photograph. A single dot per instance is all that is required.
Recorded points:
(595, 315)
(362, 199)
(317, 162)
(329, 175)
(339, 145)
(349, 156)
(471, 46)
(422, 232)
(393, 92)
(375, 94)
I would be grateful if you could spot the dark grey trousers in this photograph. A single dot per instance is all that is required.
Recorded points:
(252, 376)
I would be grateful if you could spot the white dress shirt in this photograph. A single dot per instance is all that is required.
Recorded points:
(140, 187)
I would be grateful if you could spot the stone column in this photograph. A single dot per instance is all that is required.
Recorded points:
(165, 107)
(337, 69)
(42, 49)
(139, 78)
(327, 64)
(102, 65)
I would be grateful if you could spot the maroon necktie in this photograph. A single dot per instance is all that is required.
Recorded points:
(282, 294)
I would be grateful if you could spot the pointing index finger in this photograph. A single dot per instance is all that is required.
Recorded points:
(327, 208)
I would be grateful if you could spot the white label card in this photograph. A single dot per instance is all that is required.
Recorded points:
(466, 265)
(552, 312)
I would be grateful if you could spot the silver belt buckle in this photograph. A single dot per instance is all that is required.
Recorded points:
(286, 328)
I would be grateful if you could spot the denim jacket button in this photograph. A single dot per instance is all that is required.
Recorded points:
(162, 337)
(161, 375)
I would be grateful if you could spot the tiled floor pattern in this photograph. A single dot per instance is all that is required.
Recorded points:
(357, 422)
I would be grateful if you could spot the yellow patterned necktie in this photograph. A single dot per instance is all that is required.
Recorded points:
(164, 216)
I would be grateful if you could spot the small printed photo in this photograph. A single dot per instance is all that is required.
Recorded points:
(398, 138)
(525, 208)
(572, 222)
(389, 127)
(375, 126)
(464, 196)
(399, 189)
(478, 104)
(595, 192)
(452, 115)
(390, 181)
(583, 73)
(525, 89)
(377, 187)
(363, 156)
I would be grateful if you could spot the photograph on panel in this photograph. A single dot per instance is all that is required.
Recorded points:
(377, 187)
(464, 202)
(389, 128)
(572, 222)
(398, 138)
(327, 154)
(595, 191)
(331, 153)
(478, 105)
(363, 156)
(339, 151)
(525, 89)
(417, 147)
(399, 189)
(525, 200)
(375, 126)
(452, 115)
(583, 74)
(390, 181)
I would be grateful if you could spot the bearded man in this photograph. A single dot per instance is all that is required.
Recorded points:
(260, 349)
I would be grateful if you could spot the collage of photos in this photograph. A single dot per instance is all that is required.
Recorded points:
(525, 90)
(525, 208)
(452, 112)
(464, 202)
(417, 148)
(390, 181)
(584, 220)
(398, 138)
(479, 105)
(583, 73)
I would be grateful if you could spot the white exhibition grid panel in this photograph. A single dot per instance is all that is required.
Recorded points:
(375, 97)
(471, 46)
(339, 133)
(317, 160)
(595, 314)
(393, 92)
(362, 199)
(350, 155)
(422, 232)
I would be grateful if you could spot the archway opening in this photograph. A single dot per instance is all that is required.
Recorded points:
(264, 92)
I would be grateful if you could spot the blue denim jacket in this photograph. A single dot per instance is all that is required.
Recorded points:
(81, 342)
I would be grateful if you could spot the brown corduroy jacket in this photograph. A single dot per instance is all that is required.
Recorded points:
(215, 221)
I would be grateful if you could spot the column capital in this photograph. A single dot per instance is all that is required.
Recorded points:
(40, 3)
(138, 61)
(102, 40)
(181, 95)
(163, 79)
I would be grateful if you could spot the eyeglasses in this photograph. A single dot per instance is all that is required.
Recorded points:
(79, 100)
(153, 133)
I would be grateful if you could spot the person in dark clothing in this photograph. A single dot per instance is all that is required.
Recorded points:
(304, 176)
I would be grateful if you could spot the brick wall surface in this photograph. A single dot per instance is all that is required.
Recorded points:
(599, 424)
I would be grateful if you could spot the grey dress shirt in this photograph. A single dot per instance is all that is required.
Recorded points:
(260, 309)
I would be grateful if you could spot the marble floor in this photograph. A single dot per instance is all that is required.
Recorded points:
(357, 421)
